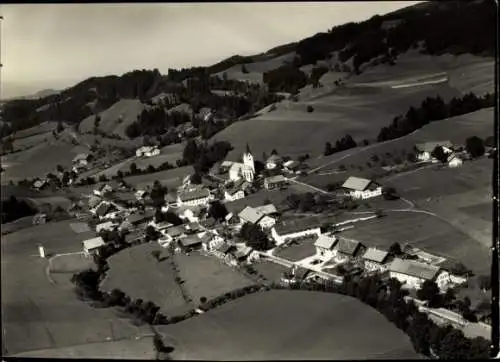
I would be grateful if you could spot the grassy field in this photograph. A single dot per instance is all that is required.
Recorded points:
(260, 198)
(425, 232)
(170, 178)
(43, 313)
(130, 268)
(299, 251)
(271, 271)
(289, 325)
(208, 277)
(110, 123)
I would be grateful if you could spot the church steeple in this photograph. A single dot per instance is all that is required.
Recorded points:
(248, 149)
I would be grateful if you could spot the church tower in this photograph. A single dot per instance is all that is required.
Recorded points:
(248, 159)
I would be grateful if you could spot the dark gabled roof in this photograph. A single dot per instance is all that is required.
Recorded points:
(224, 248)
(137, 218)
(376, 255)
(175, 231)
(194, 195)
(348, 247)
(103, 208)
(190, 240)
(293, 226)
(414, 268)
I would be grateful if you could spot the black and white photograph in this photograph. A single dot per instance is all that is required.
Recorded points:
(251, 181)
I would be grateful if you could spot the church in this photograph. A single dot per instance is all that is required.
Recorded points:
(245, 170)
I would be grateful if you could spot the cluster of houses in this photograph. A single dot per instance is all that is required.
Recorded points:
(147, 151)
(454, 154)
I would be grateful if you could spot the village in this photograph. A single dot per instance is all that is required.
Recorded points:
(194, 219)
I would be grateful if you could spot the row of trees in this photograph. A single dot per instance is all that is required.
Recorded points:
(433, 109)
(286, 78)
(13, 209)
(156, 121)
(203, 156)
(255, 237)
(345, 143)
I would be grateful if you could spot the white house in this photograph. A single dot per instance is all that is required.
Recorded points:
(295, 229)
(211, 240)
(454, 161)
(375, 260)
(425, 149)
(194, 197)
(273, 162)
(147, 151)
(412, 273)
(108, 225)
(325, 246)
(361, 188)
(91, 246)
(235, 192)
(189, 214)
(254, 216)
(245, 170)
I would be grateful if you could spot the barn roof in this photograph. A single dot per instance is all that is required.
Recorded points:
(190, 240)
(266, 209)
(430, 146)
(325, 241)
(251, 215)
(376, 255)
(356, 183)
(93, 243)
(194, 194)
(348, 247)
(414, 268)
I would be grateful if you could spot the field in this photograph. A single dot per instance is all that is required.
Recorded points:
(299, 251)
(425, 232)
(271, 271)
(45, 313)
(110, 123)
(279, 325)
(139, 275)
(53, 201)
(170, 178)
(208, 277)
(260, 198)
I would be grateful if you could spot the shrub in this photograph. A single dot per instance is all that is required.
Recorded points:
(310, 109)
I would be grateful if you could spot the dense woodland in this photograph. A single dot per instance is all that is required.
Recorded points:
(13, 209)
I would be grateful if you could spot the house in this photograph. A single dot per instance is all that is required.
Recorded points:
(274, 162)
(94, 201)
(425, 149)
(138, 219)
(274, 182)
(190, 242)
(194, 197)
(141, 194)
(108, 225)
(245, 170)
(235, 192)
(294, 229)
(192, 228)
(102, 209)
(361, 188)
(242, 254)
(268, 209)
(412, 273)
(347, 250)
(291, 165)
(294, 275)
(160, 226)
(190, 214)
(103, 190)
(325, 246)
(40, 184)
(176, 232)
(147, 151)
(91, 246)
(254, 216)
(375, 260)
(454, 161)
(232, 219)
(211, 240)
(225, 251)
(81, 160)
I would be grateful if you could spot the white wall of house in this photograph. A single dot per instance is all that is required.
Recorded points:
(324, 253)
(424, 156)
(367, 194)
(456, 162)
(411, 281)
(372, 266)
(271, 165)
(236, 196)
(195, 202)
(267, 222)
(280, 239)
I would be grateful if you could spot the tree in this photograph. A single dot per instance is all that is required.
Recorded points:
(439, 154)
(255, 237)
(328, 149)
(484, 282)
(203, 300)
(196, 179)
(310, 109)
(244, 69)
(274, 152)
(460, 269)
(475, 146)
(151, 233)
(389, 193)
(395, 249)
(217, 210)
(430, 292)
(60, 127)
(133, 169)
(366, 142)
(156, 254)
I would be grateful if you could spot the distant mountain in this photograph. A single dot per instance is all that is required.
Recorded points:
(454, 27)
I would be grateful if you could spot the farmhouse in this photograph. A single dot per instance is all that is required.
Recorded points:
(425, 149)
(91, 246)
(347, 250)
(108, 225)
(103, 190)
(325, 246)
(294, 229)
(274, 182)
(245, 170)
(412, 273)
(189, 243)
(140, 218)
(273, 162)
(192, 228)
(235, 192)
(225, 251)
(242, 254)
(375, 260)
(81, 160)
(454, 161)
(361, 188)
(94, 201)
(147, 151)
(193, 197)
(176, 232)
(291, 166)
(211, 240)
(254, 216)
(102, 209)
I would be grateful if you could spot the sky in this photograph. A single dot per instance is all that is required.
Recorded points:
(57, 45)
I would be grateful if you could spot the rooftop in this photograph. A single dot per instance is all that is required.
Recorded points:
(273, 159)
(251, 215)
(190, 240)
(414, 268)
(93, 243)
(325, 241)
(430, 146)
(348, 247)
(356, 183)
(266, 209)
(376, 255)
(138, 217)
(193, 194)
(275, 179)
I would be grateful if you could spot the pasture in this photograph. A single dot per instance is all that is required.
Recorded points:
(116, 118)
(170, 178)
(208, 277)
(137, 273)
(422, 231)
(269, 270)
(299, 250)
(44, 314)
(281, 325)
